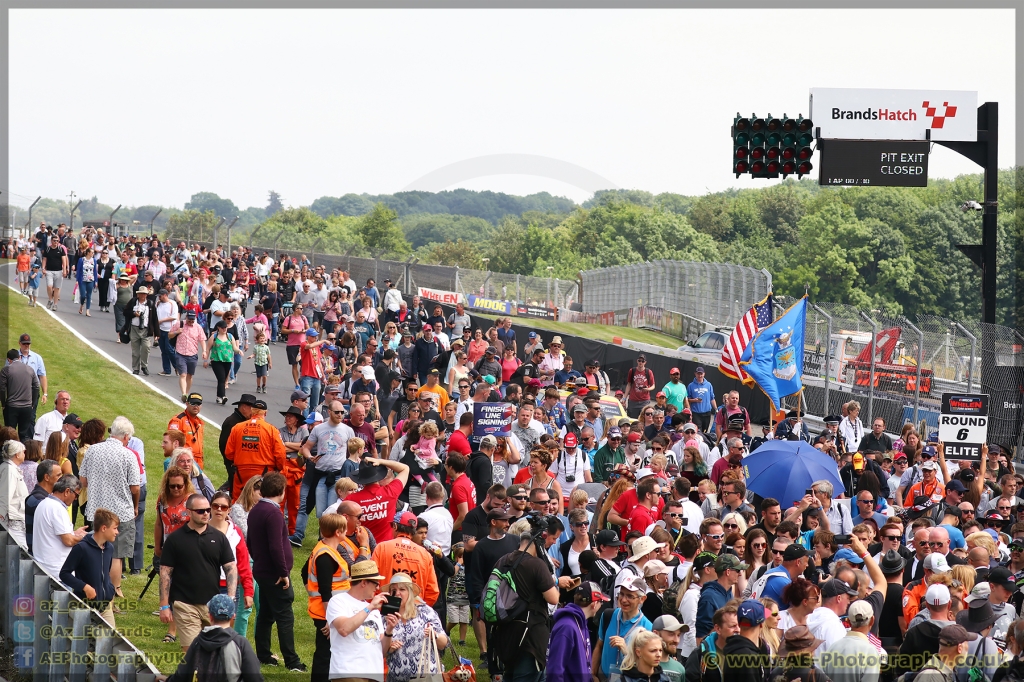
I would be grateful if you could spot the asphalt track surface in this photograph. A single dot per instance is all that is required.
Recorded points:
(99, 331)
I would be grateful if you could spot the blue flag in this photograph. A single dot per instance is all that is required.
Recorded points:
(774, 360)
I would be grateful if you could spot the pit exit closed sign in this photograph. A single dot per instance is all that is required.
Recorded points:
(879, 163)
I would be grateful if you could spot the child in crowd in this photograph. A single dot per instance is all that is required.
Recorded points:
(34, 279)
(261, 358)
(24, 266)
(87, 569)
(457, 597)
(426, 448)
(356, 450)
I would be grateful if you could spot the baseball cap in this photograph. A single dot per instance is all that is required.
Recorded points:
(221, 607)
(260, 405)
(674, 370)
(615, 432)
(703, 560)
(660, 394)
(936, 563)
(1002, 577)
(74, 420)
(956, 485)
(849, 555)
(579, 407)
(299, 395)
(489, 441)
(197, 399)
(498, 514)
(699, 370)
(750, 614)
(608, 538)
(729, 561)
(591, 593)
(312, 332)
(333, 388)
(668, 623)
(929, 451)
(406, 518)
(532, 335)
(644, 473)
(979, 593)
(634, 438)
(570, 440)
(937, 595)
(690, 426)
(859, 613)
(836, 587)
(190, 314)
(633, 583)
(656, 567)
(314, 418)
(24, 338)
(793, 551)
(619, 393)
(491, 350)
(954, 635)
(929, 466)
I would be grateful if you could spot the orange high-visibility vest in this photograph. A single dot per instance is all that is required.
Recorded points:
(339, 582)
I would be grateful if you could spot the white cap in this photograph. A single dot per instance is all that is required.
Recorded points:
(644, 473)
(937, 595)
(936, 563)
(655, 567)
(860, 613)
(981, 592)
(929, 465)
(628, 581)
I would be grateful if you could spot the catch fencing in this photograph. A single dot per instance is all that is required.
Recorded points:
(52, 634)
(716, 293)
(410, 275)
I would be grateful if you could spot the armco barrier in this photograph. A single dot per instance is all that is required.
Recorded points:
(53, 634)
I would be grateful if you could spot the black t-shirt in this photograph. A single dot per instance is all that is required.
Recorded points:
(485, 556)
(53, 258)
(286, 290)
(196, 559)
(533, 578)
(892, 609)
(524, 373)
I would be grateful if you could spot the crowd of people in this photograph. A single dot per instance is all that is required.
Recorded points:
(578, 544)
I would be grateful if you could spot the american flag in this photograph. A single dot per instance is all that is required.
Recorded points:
(758, 317)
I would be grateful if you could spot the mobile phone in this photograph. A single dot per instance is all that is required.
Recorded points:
(809, 492)
(575, 583)
(392, 605)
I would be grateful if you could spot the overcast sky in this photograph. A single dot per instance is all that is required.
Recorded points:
(149, 106)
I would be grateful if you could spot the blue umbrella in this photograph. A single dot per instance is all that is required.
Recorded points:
(785, 469)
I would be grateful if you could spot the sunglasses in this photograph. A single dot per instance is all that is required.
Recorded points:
(868, 501)
(891, 537)
(674, 516)
(716, 536)
(221, 507)
(778, 551)
(337, 411)
(584, 524)
(658, 449)
(175, 486)
(758, 545)
(520, 498)
(204, 510)
(730, 525)
(936, 544)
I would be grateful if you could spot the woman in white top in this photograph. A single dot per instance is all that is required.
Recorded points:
(850, 428)
(702, 571)
(13, 491)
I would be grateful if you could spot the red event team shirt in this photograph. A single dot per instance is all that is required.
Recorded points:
(463, 490)
(641, 518)
(378, 503)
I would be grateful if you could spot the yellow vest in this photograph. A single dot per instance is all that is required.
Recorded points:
(340, 582)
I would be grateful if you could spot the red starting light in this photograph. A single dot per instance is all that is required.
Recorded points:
(757, 167)
(804, 154)
(772, 167)
(742, 153)
(788, 167)
(773, 153)
(804, 168)
(740, 167)
(757, 153)
(788, 153)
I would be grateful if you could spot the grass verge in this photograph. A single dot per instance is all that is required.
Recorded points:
(101, 389)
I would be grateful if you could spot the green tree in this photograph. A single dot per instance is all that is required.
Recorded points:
(274, 204)
(710, 215)
(462, 253)
(425, 229)
(381, 230)
(191, 225)
(208, 201)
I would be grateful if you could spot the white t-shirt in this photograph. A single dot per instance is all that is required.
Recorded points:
(826, 626)
(51, 521)
(439, 526)
(47, 424)
(359, 654)
(165, 310)
(694, 516)
(568, 465)
(331, 443)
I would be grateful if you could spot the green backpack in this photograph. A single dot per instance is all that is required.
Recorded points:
(501, 602)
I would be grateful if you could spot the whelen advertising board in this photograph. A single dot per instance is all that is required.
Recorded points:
(963, 425)
(855, 114)
(878, 163)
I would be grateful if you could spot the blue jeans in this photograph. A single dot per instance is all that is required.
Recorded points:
(322, 486)
(312, 386)
(273, 326)
(166, 351)
(85, 292)
(236, 365)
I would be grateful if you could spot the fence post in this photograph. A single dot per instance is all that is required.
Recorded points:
(458, 286)
(312, 250)
(228, 228)
(213, 237)
(252, 235)
(974, 345)
(768, 282)
(874, 352)
(828, 351)
(519, 298)
(276, 240)
(920, 359)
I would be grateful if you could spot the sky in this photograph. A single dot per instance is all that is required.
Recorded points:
(150, 106)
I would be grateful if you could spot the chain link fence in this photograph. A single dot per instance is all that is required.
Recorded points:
(717, 293)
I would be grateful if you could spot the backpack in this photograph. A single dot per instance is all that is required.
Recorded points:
(223, 663)
(756, 588)
(670, 600)
(501, 602)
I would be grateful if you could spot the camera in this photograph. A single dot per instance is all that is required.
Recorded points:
(570, 479)
(538, 526)
(392, 605)
(842, 539)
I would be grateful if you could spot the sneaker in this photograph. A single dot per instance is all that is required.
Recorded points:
(273, 660)
(136, 373)
(298, 668)
(163, 374)
(145, 371)
(295, 543)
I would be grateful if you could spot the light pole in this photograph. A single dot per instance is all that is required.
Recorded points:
(71, 203)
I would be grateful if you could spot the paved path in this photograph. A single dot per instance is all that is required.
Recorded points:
(99, 330)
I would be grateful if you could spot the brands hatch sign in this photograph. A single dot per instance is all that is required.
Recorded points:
(856, 114)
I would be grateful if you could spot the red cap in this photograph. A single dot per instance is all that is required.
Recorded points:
(570, 440)
(407, 519)
(634, 438)
(583, 391)
(660, 395)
